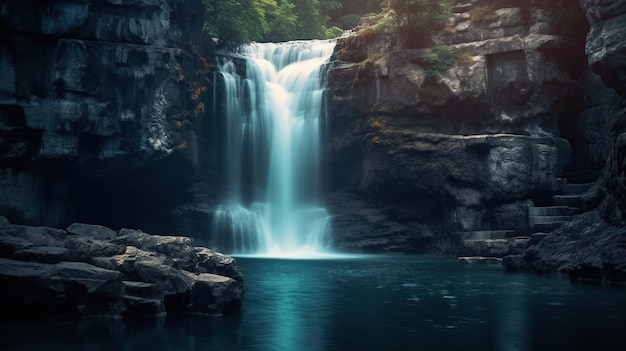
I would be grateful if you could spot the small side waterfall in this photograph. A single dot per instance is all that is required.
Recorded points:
(272, 119)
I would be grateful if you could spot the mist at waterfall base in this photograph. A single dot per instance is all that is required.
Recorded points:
(373, 303)
(272, 118)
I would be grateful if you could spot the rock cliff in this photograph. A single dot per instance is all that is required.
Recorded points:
(516, 148)
(591, 246)
(101, 102)
(466, 150)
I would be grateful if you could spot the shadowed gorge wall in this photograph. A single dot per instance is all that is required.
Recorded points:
(101, 109)
(479, 146)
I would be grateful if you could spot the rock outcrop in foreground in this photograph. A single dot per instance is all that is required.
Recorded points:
(90, 270)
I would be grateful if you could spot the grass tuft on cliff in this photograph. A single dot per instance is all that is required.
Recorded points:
(439, 61)
(483, 14)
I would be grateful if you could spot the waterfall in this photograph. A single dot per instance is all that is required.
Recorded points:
(272, 117)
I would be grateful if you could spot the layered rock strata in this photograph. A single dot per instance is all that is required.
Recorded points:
(94, 93)
(444, 155)
(591, 246)
(89, 270)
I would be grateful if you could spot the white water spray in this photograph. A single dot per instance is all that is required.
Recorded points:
(272, 125)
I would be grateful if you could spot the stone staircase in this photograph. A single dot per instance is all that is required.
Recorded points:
(568, 203)
(491, 245)
(551, 218)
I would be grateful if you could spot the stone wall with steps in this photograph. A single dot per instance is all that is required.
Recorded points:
(484, 246)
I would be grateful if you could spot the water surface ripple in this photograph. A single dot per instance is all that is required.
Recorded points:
(367, 303)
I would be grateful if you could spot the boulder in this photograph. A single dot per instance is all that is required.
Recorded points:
(213, 294)
(587, 248)
(183, 253)
(42, 254)
(143, 299)
(85, 249)
(93, 270)
(65, 288)
(91, 231)
(148, 267)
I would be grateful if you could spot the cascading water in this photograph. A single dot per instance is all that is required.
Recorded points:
(272, 129)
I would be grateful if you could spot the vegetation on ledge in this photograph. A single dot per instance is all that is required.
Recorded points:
(234, 22)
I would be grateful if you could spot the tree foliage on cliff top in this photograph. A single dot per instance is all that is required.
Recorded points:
(234, 22)
(418, 19)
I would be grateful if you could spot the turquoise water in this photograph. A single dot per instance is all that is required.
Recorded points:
(367, 303)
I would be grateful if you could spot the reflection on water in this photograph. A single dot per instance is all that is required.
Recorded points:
(367, 303)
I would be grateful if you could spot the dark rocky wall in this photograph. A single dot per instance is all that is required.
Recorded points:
(472, 154)
(102, 110)
(591, 246)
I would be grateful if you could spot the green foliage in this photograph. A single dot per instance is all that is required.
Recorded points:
(330, 5)
(348, 15)
(282, 21)
(311, 24)
(438, 61)
(333, 32)
(348, 21)
(376, 24)
(235, 21)
(421, 15)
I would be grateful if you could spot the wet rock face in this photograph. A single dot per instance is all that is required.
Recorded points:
(467, 149)
(92, 92)
(89, 270)
(590, 247)
(106, 73)
(606, 47)
(606, 50)
(515, 82)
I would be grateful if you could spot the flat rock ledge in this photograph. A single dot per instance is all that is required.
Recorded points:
(90, 270)
(480, 259)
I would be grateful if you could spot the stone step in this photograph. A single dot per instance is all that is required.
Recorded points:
(480, 259)
(548, 227)
(532, 220)
(568, 200)
(552, 211)
(572, 189)
(486, 234)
